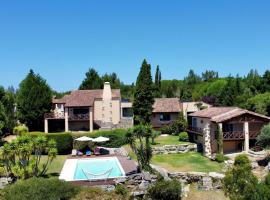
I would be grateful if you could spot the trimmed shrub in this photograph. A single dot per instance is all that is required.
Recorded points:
(242, 160)
(183, 136)
(220, 158)
(64, 141)
(20, 130)
(40, 189)
(165, 190)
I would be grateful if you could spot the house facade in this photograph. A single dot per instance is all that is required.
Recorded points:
(86, 110)
(239, 128)
(166, 110)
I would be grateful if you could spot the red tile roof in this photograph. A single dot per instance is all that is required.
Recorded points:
(84, 98)
(220, 114)
(166, 105)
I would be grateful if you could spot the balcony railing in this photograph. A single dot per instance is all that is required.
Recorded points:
(54, 115)
(233, 135)
(79, 117)
(195, 129)
(254, 134)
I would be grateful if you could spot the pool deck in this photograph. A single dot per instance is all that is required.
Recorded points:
(129, 167)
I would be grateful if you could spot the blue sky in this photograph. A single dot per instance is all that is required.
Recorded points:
(61, 39)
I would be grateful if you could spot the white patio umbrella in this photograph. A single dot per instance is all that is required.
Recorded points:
(84, 139)
(101, 139)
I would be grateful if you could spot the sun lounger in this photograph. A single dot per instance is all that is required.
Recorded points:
(74, 152)
(88, 153)
(97, 151)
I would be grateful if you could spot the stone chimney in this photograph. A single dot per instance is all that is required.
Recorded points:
(107, 92)
(107, 104)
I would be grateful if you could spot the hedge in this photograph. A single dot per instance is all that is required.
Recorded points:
(64, 140)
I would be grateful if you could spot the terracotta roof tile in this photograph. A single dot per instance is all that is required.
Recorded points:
(84, 98)
(220, 114)
(166, 105)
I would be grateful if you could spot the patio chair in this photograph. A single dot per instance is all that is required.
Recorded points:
(97, 151)
(74, 152)
(79, 153)
(88, 153)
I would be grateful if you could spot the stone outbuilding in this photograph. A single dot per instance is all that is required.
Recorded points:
(239, 128)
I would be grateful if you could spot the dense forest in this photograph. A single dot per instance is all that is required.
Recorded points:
(251, 91)
(33, 97)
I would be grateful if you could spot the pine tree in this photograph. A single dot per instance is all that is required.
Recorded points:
(144, 95)
(33, 101)
(91, 81)
(228, 97)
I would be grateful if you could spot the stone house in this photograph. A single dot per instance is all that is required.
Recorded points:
(86, 110)
(166, 110)
(239, 128)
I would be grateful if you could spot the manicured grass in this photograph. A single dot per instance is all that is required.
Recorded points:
(56, 165)
(168, 140)
(185, 162)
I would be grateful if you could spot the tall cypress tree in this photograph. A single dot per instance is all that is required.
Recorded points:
(144, 95)
(158, 82)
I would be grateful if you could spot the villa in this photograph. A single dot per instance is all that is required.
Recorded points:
(239, 128)
(86, 110)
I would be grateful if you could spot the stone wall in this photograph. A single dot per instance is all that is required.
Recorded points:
(206, 181)
(172, 149)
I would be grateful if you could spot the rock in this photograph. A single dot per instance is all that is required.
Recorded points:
(163, 172)
(146, 176)
(137, 177)
(138, 193)
(206, 183)
(254, 165)
(185, 190)
(144, 185)
(120, 180)
(216, 175)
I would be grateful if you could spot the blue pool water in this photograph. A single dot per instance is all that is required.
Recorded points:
(97, 166)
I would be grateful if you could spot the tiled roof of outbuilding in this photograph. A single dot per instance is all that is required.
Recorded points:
(166, 105)
(220, 114)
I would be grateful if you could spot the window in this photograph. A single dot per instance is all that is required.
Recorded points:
(78, 111)
(194, 122)
(127, 112)
(165, 117)
(228, 128)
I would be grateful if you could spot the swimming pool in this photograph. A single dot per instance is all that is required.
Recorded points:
(91, 169)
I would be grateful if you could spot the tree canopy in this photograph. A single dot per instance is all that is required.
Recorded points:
(34, 99)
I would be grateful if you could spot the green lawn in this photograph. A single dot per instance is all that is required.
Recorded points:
(56, 165)
(167, 140)
(185, 162)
